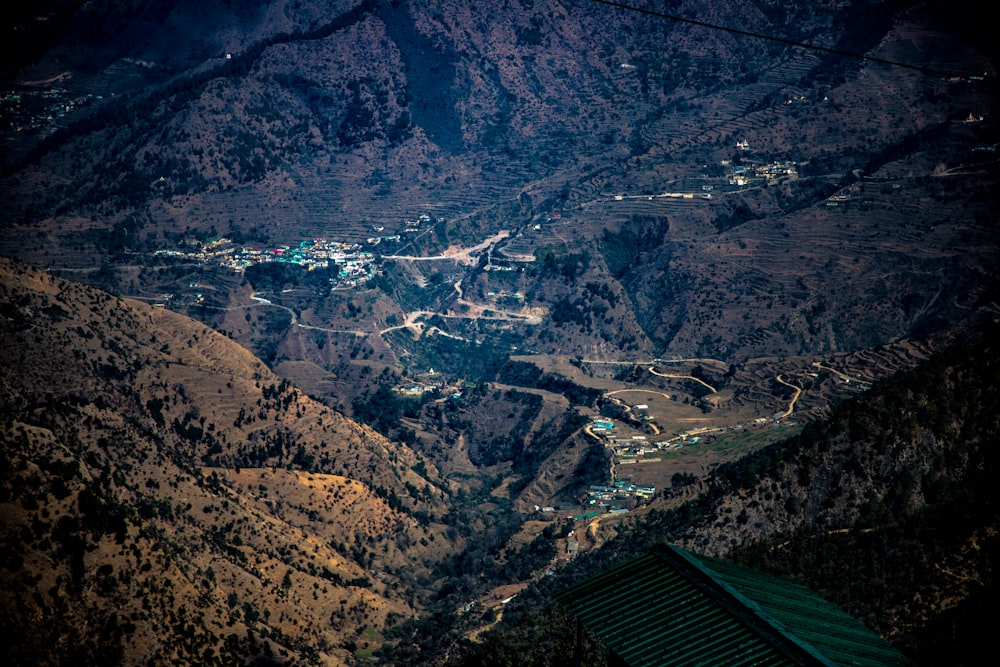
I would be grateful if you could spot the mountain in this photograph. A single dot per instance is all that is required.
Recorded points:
(166, 497)
(887, 508)
(448, 264)
(666, 187)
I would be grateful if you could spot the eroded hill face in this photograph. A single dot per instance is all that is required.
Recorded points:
(662, 188)
(489, 224)
(167, 497)
(885, 507)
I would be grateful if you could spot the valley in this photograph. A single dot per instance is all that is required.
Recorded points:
(365, 323)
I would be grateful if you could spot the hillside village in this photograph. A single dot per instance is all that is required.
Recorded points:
(356, 263)
(444, 265)
(352, 264)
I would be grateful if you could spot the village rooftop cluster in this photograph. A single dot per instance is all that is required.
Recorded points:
(355, 264)
(742, 174)
(632, 448)
(620, 496)
(31, 110)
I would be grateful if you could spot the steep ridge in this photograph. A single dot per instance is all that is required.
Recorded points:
(564, 123)
(653, 190)
(166, 498)
(888, 508)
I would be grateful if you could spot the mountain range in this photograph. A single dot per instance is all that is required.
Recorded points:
(164, 490)
(320, 319)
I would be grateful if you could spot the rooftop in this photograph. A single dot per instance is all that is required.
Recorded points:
(671, 607)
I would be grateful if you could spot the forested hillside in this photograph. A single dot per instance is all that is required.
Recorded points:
(164, 497)
(322, 317)
(889, 508)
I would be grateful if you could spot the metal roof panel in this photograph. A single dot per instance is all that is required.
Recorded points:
(676, 609)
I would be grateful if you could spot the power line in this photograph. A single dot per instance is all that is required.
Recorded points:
(779, 40)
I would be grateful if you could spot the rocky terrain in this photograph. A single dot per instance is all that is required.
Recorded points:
(887, 508)
(312, 308)
(166, 497)
(815, 183)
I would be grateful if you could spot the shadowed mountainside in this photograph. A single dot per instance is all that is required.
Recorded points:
(564, 123)
(888, 508)
(529, 178)
(165, 497)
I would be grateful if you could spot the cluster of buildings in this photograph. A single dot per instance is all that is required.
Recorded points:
(624, 446)
(414, 225)
(630, 448)
(620, 495)
(354, 264)
(742, 174)
(775, 170)
(29, 110)
(602, 426)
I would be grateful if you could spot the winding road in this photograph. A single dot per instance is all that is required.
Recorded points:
(459, 255)
(791, 405)
(647, 391)
(683, 377)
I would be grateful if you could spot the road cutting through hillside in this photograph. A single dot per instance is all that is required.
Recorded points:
(683, 377)
(647, 391)
(594, 528)
(456, 254)
(267, 302)
(261, 301)
(412, 318)
(842, 376)
(795, 397)
(620, 362)
(477, 312)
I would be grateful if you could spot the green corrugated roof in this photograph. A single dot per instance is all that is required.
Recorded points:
(673, 608)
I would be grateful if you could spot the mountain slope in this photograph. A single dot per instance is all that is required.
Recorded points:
(888, 508)
(166, 497)
(815, 184)
(526, 177)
